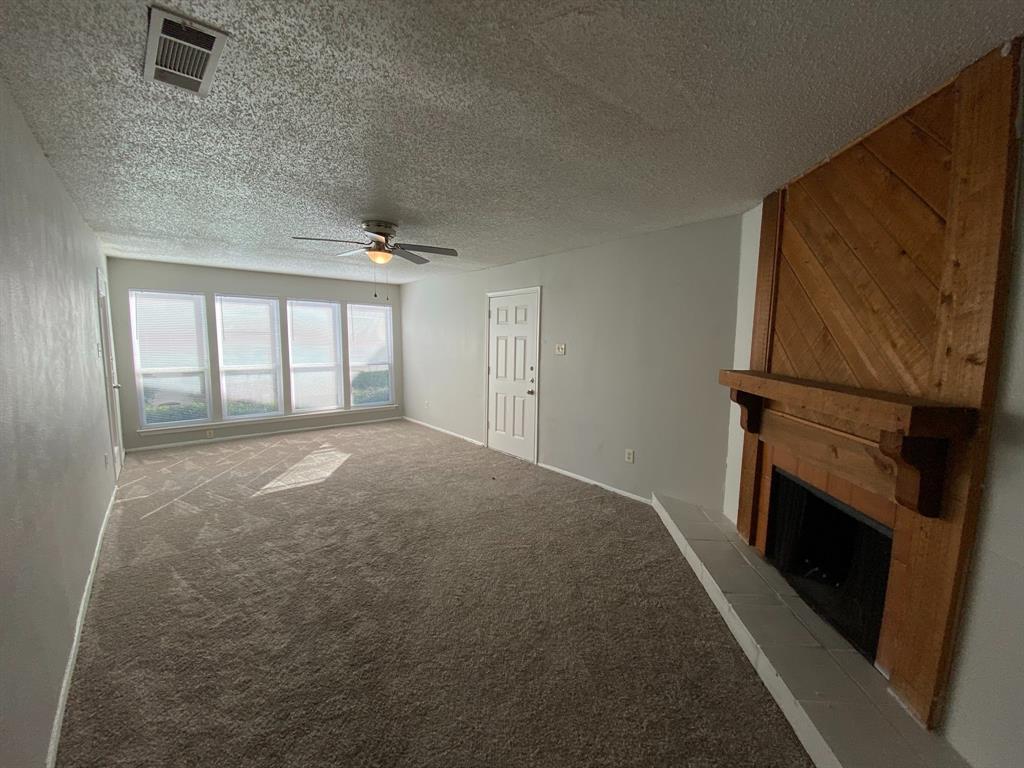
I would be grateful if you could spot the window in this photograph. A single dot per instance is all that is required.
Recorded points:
(314, 348)
(369, 354)
(172, 369)
(249, 333)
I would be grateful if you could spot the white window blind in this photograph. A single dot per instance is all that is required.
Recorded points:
(370, 354)
(314, 349)
(172, 372)
(248, 331)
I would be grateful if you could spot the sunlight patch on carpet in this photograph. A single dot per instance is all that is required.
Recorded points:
(313, 469)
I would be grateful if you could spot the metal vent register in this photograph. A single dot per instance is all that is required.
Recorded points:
(182, 52)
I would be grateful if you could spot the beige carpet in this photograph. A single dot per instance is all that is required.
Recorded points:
(387, 595)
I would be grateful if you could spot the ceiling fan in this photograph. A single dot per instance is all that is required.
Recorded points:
(381, 249)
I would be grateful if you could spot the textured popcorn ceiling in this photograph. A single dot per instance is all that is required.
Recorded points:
(504, 129)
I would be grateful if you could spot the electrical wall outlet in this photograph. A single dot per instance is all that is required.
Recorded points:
(209, 433)
(630, 456)
(559, 349)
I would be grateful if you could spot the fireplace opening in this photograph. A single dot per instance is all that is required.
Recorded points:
(836, 558)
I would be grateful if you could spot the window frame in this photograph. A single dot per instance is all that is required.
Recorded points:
(277, 366)
(393, 400)
(338, 309)
(141, 373)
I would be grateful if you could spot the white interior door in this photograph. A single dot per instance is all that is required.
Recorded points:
(110, 373)
(513, 322)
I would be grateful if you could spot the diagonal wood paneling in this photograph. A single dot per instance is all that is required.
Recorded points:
(862, 244)
(918, 159)
(882, 336)
(807, 343)
(908, 290)
(934, 116)
(912, 223)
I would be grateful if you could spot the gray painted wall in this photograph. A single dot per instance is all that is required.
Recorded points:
(126, 275)
(53, 435)
(647, 322)
(986, 708)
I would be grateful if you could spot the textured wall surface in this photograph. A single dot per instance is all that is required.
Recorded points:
(126, 274)
(750, 246)
(505, 129)
(987, 693)
(647, 323)
(53, 435)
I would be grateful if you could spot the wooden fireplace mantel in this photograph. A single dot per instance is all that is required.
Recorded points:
(890, 444)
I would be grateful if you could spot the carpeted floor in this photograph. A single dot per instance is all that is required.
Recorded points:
(387, 595)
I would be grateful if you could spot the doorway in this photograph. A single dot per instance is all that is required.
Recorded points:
(109, 373)
(513, 380)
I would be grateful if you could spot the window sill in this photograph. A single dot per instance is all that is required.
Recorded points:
(204, 425)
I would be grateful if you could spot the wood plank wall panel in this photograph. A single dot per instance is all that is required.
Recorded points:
(886, 269)
(965, 370)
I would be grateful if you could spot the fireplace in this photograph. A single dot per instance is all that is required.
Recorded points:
(836, 558)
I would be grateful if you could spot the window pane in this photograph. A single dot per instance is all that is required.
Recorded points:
(171, 364)
(315, 390)
(169, 330)
(314, 332)
(371, 384)
(369, 335)
(248, 331)
(369, 354)
(174, 397)
(249, 394)
(314, 340)
(249, 339)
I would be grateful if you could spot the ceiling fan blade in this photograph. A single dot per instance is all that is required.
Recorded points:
(428, 249)
(359, 251)
(329, 240)
(415, 258)
(375, 236)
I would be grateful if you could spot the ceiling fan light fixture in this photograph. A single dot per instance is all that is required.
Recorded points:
(379, 254)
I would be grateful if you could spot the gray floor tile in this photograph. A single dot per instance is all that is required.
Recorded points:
(729, 570)
(774, 625)
(859, 736)
(811, 673)
(933, 749)
(823, 632)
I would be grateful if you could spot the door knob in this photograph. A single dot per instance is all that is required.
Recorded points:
(529, 392)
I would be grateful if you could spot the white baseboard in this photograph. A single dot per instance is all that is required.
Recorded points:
(446, 431)
(607, 487)
(270, 433)
(58, 718)
(559, 470)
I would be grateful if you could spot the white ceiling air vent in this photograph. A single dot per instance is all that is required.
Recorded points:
(182, 52)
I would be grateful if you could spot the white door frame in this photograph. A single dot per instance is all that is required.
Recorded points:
(113, 388)
(487, 361)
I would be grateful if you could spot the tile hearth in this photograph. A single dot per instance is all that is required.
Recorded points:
(838, 704)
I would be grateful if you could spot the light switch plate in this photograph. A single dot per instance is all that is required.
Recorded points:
(559, 349)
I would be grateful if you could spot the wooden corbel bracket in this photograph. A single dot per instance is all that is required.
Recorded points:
(920, 464)
(750, 409)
